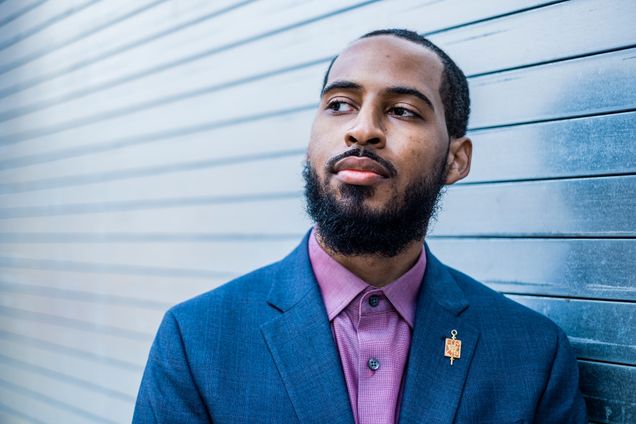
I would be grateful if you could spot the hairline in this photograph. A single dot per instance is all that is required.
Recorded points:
(441, 59)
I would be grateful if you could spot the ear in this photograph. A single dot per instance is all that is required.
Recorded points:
(460, 153)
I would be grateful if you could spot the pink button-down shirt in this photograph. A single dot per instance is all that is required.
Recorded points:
(372, 329)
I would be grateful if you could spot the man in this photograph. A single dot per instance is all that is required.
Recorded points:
(361, 323)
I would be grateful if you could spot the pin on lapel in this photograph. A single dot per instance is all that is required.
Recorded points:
(453, 347)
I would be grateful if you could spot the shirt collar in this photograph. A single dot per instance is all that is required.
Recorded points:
(339, 286)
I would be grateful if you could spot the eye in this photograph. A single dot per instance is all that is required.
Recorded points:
(403, 112)
(339, 106)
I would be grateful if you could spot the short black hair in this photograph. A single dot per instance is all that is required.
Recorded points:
(453, 89)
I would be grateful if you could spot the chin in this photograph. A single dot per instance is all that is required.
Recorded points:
(376, 204)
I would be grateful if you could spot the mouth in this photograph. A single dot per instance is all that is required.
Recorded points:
(360, 171)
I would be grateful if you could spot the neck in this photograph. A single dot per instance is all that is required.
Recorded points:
(377, 270)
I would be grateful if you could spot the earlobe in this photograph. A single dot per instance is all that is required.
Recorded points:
(459, 157)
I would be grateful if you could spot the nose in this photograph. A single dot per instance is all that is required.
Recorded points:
(367, 129)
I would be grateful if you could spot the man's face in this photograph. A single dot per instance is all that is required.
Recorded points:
(379, 147)
(382, 96)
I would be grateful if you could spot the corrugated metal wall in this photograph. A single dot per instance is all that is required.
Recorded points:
(151, 149)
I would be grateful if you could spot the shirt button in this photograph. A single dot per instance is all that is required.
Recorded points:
(374, 300)
(373, 364)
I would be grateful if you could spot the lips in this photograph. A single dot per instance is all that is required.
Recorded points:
(362, 165)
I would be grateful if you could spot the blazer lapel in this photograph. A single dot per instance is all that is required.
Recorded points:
(302, 346)
(432, 387)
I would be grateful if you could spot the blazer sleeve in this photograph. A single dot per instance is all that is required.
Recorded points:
(562, 401)
(168, 393)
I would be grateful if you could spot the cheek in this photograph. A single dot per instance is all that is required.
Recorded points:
(422, 156)
(418, 148)
(314, 146)
(324, 143)
(317, 157)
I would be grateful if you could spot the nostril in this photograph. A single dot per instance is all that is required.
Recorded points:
(351, 139)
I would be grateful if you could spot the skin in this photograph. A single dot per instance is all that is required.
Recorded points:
(372, 101)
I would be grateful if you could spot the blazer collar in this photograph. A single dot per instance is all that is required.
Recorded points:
(302, 346)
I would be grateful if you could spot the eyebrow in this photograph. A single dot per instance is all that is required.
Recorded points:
(410, 92)
(340, 85)
(399, 90)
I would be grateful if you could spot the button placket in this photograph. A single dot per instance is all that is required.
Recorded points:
(378, 381)
(369, 360)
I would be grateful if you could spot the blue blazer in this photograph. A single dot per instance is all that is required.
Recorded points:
(260, 350)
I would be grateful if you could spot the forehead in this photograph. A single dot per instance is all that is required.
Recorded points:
(386, 60)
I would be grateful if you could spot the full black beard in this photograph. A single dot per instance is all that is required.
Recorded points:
(350, 228)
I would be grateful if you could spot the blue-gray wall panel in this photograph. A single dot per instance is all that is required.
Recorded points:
(610, 391)
(583, 268)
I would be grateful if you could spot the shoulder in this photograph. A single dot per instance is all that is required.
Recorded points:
(231, 303)
(518, 345)
(534, 347)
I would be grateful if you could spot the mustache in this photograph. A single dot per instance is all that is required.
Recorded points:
(331, 163)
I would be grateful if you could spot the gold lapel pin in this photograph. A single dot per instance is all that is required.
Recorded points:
(453, 347)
